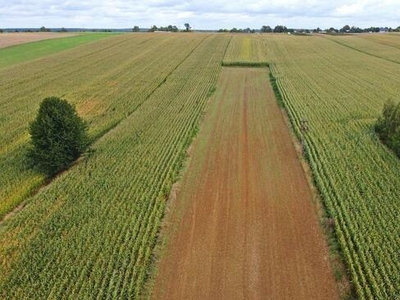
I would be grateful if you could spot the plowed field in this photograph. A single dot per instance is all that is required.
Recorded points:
(11, 39)
(243, 225)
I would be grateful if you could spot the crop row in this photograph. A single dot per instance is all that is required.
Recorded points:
(341, 92)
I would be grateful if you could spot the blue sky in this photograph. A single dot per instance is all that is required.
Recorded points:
(213, 14)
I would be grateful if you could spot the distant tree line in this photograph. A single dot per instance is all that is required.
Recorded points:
(264, 29)
(354, 29)
(388, 126)
(236, 30)
(170, 28)
(331, 30)
(41, 29)
(44, 29)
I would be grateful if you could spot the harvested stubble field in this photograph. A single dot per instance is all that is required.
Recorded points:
(243, 225)
(91, 232)
(16, 38)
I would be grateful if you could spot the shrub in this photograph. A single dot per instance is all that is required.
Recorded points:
(58, 136)
(388, 126)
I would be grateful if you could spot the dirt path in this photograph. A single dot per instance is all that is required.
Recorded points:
(15, 38)
(244, 226)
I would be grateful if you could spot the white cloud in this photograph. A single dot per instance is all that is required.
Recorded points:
(200, 14)
(350, 9)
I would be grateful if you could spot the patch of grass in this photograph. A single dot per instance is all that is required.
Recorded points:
(275, 87)
(249, 64)
(25, 52)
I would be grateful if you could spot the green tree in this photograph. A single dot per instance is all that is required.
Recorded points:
(153, 28)
(44, 29)
(135, 29)
(58, 136)
(388, 126)
(266, 29)
(187, 27)
(345, 28)
(280, 29)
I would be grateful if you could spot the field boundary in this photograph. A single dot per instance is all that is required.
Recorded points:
(165, 227)
(336, 258)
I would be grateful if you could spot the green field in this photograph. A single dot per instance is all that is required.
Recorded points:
(25, 52)
(91, 232)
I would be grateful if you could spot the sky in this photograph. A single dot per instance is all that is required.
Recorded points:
(214, 14)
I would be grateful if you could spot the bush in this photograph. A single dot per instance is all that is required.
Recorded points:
(388, 126)
(58, 136)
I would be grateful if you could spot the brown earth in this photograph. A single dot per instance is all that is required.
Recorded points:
(15, 38)
(243, 225)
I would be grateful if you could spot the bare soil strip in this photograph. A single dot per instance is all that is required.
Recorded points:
(243, 225)
(11, 39)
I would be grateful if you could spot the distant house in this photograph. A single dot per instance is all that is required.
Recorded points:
(383, 30)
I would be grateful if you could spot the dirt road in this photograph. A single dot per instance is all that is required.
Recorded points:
(243, 225)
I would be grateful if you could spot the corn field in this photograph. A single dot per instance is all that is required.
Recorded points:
(107, 81)
(91, 233)
(341, 91)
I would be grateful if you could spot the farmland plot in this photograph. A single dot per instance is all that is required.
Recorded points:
(374, 44)
(29, 51)
(391, 39)
(341, 92)
(243, 225)
(10, 39)
(90, 234)
(246, 50)
(106, 81)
